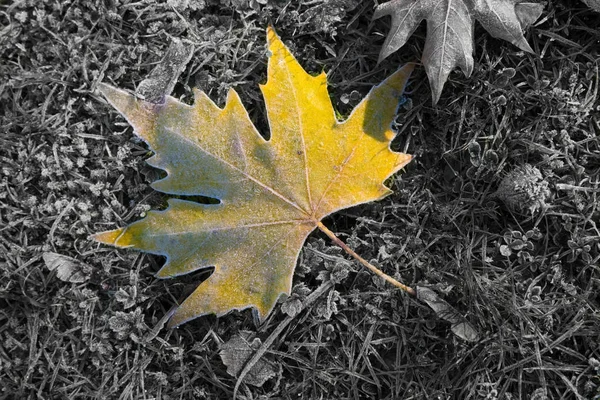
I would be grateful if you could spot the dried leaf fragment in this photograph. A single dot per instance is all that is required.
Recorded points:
(450, 24)
(459, 324)
(67, 268)
(272, 193)
(163, 77)
(238, 350)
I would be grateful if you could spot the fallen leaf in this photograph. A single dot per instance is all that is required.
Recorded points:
(459, 324)
(450, 23)
(272, 194)
(236, 352)
(67, 268)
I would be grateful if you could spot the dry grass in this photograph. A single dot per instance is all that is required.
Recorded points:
(499, 212)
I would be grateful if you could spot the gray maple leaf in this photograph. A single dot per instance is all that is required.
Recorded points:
(450, 24)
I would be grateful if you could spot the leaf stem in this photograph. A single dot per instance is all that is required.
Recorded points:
(364, 262)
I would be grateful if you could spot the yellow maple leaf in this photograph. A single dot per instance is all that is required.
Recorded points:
(272, 194)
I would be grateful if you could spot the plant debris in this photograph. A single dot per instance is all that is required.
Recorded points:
(238, 350)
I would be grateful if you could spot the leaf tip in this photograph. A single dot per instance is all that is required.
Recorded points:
(173, 321)
(272, 36)
(140, 114)
(108, 237)
(528, 13)
(404, 72)
(116, 97)
(404, 159)
(526, 47)
(394, 85)
(383, 10)
(437, 86)
(260, 312)
(385, 52)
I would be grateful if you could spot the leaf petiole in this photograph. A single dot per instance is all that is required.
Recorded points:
(364, 262)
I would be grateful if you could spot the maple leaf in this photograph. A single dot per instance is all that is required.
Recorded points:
(449, 41)
(272, 193)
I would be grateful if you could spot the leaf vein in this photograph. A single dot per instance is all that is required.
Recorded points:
(246, 226)
(244, 173)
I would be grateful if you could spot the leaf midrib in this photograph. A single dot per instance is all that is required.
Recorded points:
(295, 222)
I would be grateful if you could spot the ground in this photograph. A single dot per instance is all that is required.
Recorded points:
(498, 213)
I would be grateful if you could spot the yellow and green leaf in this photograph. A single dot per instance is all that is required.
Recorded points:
(272, 194)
